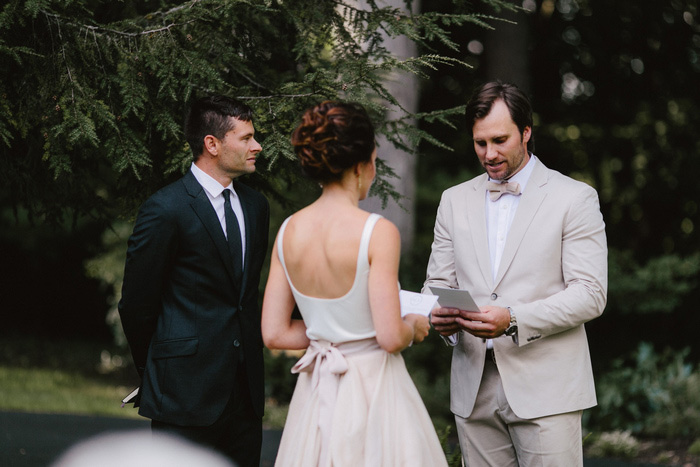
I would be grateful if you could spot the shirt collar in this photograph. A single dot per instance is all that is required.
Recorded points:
(211, 186)
(523, 175)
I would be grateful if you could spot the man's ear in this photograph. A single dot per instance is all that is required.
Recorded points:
(527, 134)
(211, 145)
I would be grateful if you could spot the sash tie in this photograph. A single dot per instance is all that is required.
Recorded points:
(326, 364)
(321, 359)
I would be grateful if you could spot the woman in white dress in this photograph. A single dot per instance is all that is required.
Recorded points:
(354, 403)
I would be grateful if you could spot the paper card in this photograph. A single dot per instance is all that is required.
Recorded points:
(454, 298)
(412, 302)
(131, 397)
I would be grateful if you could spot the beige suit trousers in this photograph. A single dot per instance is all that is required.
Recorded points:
(493, 436)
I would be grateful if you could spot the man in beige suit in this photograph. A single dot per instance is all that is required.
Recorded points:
(529, 244)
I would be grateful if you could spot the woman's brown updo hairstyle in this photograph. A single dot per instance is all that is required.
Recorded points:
(331, 138)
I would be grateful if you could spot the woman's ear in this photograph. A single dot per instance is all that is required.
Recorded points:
(357, 170)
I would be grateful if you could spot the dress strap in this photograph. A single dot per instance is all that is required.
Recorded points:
(363, 253)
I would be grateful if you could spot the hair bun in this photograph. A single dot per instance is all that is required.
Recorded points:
(331, 138)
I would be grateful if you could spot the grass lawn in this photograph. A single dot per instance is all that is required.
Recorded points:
(58, 391)
(91, 378)
(75, 377)
(64, 376)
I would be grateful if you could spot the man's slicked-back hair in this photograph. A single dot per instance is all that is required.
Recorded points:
(517, 102)
(211, 116)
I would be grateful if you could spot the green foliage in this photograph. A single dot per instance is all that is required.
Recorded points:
(428, 363)
(615, 116)
(108, 268)
(660, 285)
(617, 444)
(614, 89)
(451, 450)
(695, 448)
(279, 380)
(275, 415)
(679, 416)
(649, 393)
(94, 92)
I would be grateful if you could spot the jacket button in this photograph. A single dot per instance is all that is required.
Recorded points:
(494, 296)
(236, 343)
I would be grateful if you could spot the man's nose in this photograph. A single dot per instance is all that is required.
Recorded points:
(256, 146)
(491, 152)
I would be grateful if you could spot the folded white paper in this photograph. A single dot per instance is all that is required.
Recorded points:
(412, 302)
(131, 397)
(454, 298)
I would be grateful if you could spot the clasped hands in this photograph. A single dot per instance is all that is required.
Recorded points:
(490, 322)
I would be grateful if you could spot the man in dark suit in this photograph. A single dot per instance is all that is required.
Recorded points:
(189, 303)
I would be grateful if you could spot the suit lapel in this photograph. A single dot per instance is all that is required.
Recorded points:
(530, 203)
(205, 211)
(476, 214)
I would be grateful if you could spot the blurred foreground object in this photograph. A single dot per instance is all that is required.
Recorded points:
(139, 448)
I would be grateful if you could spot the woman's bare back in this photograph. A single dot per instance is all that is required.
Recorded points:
(321, 245)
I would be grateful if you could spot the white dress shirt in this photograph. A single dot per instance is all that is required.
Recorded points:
(214, 192)
(500, 213)
(499, 217)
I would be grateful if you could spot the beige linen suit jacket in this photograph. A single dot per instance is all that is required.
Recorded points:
(553, 274)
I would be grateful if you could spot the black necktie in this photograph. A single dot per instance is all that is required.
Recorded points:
(233, 233)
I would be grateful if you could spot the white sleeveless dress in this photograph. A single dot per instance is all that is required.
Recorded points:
(354, 404)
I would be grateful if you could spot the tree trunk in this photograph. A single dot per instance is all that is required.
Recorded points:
(507, 50)
(404, 87)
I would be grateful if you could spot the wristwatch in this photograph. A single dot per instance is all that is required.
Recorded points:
(513, 326)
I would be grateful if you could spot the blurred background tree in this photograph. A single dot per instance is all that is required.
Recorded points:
(614, 89)
(92, 96)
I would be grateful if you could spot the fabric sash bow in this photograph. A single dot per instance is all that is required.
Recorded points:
(326, 364)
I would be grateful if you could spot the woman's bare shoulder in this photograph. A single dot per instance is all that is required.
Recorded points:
(385, 236)
(386, 227)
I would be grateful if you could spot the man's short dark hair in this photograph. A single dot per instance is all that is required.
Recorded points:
(517, 102)
(210, 116)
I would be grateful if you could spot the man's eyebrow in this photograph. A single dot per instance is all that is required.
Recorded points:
(491, 137)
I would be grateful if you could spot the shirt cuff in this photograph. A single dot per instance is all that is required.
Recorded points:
(451, 340)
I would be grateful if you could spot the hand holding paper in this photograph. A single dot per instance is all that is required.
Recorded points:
(412, 302)
(445, 319)
(454, 298)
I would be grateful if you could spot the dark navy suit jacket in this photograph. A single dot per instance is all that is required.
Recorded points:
(185, 317)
